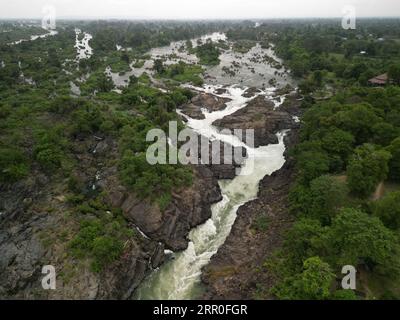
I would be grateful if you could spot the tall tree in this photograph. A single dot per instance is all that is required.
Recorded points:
(355, 238)
(394, 163)
(394, 73)
(327, 195)
(313, 283)
(388, 210)
(367, 167)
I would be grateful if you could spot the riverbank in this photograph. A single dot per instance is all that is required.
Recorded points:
(57, 218)
(228, 103)
(180, 278)
(258, 230)
(233, 272)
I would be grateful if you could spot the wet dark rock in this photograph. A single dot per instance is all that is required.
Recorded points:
(206, 101)
(158, 257)
(284, 90)
(193, 111)
(28, 230)
(261, 116)
(188, 208)
(22, 251)
(221, 91)
(292, 104)
(221, 158)
(251, 92)
(122, 278)
(233, 273)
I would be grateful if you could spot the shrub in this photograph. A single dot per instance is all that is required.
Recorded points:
(313, 283)
(388, 210)
(367, 167)
(312, 164)
(394, 163)
(48, 150)
(344, 295)
(101, 238)
(13, 165)
(86, 120)
(356, 237)
(327, 195)
(261, 223)
(208, 54)
(105, 250)
(148, 180)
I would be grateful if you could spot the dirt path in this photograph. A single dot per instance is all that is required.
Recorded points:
(380, 190)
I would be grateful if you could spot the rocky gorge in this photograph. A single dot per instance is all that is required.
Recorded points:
(177, 278)
(27, 245)
(233, 272)
(37, 224)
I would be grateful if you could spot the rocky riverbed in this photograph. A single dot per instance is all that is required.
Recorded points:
(36, 225)
(180, 278)
(233, 273)
(30, 233)
(263, 116)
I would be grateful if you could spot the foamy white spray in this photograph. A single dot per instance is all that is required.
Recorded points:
(180, 277)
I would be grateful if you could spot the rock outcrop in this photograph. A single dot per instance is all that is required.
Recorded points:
(36, 227)
(188, 208)
(223, 159)
(261, 116)
(201, 101)
(251, 92)
(233, 272)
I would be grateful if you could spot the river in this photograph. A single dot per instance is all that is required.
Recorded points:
(179, 278)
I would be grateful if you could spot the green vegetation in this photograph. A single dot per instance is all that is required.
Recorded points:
(336, 221)
(388, 210)
(261, 223)
(243, 46)
(101, 237)
(349, 139)
(12, 33)
(321, 201)
(119, 62)
(180, 72)
(394, 163)
(13, 164)
(313, 283)
(49, 150)
(48, 133)
(394, 73)
(143, 36)
(208, 54)
(152, 180)
(366, 168)
(349, 145)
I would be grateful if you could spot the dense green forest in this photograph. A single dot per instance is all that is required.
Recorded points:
(345, 198)
(349, 148)
(42, 125)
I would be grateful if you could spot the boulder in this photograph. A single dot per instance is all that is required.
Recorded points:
(189, 207)
(261, 116)
(206, 101)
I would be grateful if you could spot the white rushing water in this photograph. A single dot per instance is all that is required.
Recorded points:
(35, 37)
(171, 54)
(83, 49)
(180, 277)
